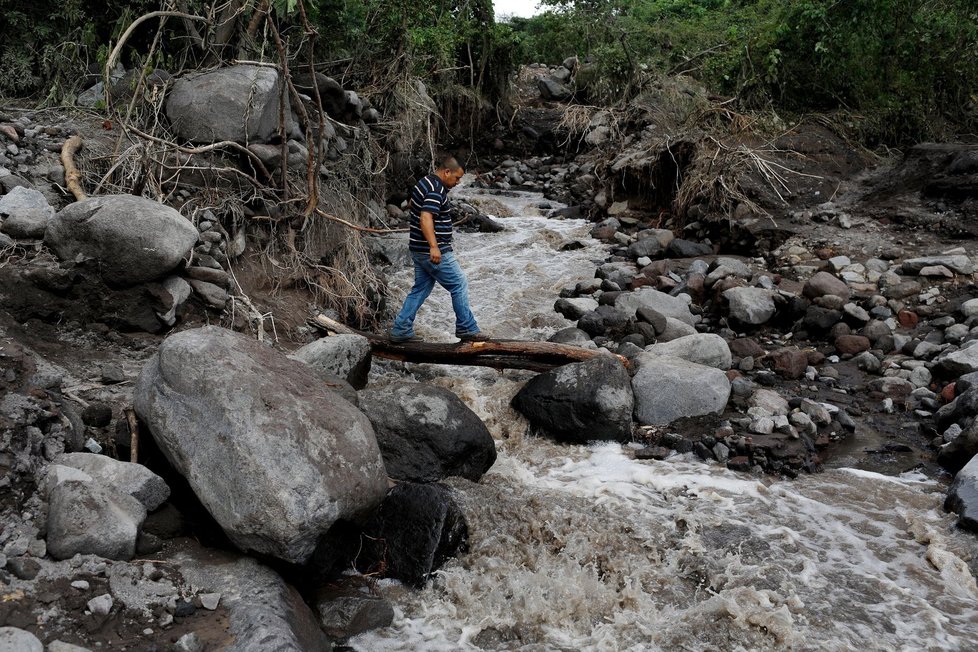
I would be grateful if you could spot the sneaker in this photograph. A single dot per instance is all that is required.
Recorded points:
(473, 337)
(403, 339)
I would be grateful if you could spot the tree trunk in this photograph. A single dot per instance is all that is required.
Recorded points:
(498, 354)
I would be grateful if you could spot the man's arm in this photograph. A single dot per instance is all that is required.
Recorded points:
(428, 231)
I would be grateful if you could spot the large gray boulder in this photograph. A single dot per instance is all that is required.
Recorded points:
(962, 497)
(958, 363)
(132, 239)
(13, 639)
(553, 89)
(751, 306)
(663, 303)
(667, 389)
(240, 103)
(126, 477)
(274, 456)
(702, 348)
(346, 356)
(88, 518)
(580, 402)
(25, 213)
(427, 433)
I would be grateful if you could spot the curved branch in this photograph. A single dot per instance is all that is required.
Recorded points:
(72, 175)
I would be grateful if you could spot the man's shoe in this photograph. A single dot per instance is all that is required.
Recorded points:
(403, 339)
(473, 337)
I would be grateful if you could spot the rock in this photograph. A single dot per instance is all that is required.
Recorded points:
(851, 344)
(175, 291)
(128, 478)
(969, 308)
(743, 347)
(789, 363)
(645, 247)
(24, 213)
(554, 90)
(724, 267)
(580, 402)
(822, 284)
(13, 639)
(667, 389)
(239, 103)
(957, 453)
(753, 306)
(679, 248)
(418, 527)
(87, 518)
(572, 335)
(426, 433)
(23, 568)
(958, 264)
(213, 295)
(769, 401)
(101, 605)
(574, 309)
(675, 329)
(132, 239)
(962, 497)
(958, 363)
(210, 275)
(241, 421)
(189, 642)
(61, 646)
(97, 415)
(664, 304)
(702, 348)
(346, 611)
(346, 356)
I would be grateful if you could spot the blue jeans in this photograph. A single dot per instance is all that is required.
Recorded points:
(449, 275)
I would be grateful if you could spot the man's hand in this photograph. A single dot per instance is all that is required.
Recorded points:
(434, 255)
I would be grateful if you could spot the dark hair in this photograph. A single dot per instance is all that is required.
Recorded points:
(447, 162)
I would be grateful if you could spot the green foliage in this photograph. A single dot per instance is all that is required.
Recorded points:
(905, 64)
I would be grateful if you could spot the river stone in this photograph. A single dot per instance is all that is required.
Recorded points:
(958, 363)
(667, 389)
(91, 519)
(752, 306)
(132, 239)
(427, 433)
(125, 477)
(239, 103)
(702, 348)
(552, 89)
(13, 639)
(61, 646)
(663, 303)
(25, 213)
(955, 454)
(346, 356)
(213, 295)
(824, 283)
(273, 455)
(770, 401)
(416, 529)
(958, 264)
(969, 308)
(346, 611)
(580, 402)
(962, 497)
(675, 329)
(574, 309)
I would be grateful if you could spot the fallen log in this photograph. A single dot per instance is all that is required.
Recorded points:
(498, 354)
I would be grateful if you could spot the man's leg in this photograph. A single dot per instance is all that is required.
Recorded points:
(423, 284)
(451, 277)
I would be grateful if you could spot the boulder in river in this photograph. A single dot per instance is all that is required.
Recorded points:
(668, 388)
(702, 348)
(131, 239)
(24, 213)
(427, 433)
(274, 456)
(580, 402)
(346, 356)
(418, 527)
(962, 497)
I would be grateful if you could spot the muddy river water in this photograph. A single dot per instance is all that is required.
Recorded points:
(585, 548)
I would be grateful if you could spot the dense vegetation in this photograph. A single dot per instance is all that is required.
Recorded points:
(903, 69)
(904, 66)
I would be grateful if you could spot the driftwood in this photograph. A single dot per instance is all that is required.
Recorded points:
(72, 175)
(498, 354)
(133, 434)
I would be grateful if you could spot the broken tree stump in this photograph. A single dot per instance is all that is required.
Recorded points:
(498, 354)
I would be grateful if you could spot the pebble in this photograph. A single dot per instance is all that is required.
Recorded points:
(81, 585)
(209, 601)
(101, 605)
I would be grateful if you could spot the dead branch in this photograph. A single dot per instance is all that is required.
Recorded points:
(72, 175)
(133, 434)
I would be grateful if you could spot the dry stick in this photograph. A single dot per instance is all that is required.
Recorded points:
(133, 434)
(72, 175)
(110, 62)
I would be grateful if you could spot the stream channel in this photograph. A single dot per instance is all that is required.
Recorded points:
(586, 548)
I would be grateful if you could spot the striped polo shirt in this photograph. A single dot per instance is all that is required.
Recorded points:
(431, 195)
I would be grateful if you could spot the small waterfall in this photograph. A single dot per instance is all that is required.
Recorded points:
(585, 548)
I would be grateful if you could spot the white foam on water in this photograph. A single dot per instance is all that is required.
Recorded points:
(585, 548)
